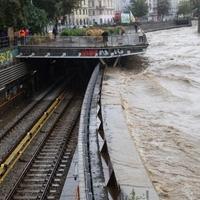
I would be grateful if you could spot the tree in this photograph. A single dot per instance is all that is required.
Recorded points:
(33, 14)
(55, 8)
(184, 8)
(163, 8)
(139, 8)
(196, 6)
(10, 13)
(35, 18)
(65, 7)
(48, 5)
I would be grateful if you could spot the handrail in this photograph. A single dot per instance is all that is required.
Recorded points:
(6, 42)
(85, 180)
(82, 41)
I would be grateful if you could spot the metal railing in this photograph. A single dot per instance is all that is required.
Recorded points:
(6, 42)
(85, 184)
(83, 41)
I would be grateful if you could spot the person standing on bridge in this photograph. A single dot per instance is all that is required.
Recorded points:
(55, 31)
(22, 35)
(141, 35)
(105, 38)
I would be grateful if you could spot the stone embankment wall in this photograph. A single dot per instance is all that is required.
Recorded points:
(156, 26)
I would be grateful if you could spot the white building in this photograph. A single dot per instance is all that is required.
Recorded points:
(153, 13)
(101, 11)
(117, 5)
(174, 7)
(79, 16)
(120, 5)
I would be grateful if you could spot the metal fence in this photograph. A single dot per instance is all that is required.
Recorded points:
(73, 41)
(83, 41)
(6, 42)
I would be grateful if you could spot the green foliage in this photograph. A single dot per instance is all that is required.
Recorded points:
(113, 31)
(10, 13)
(55, 8)
(74, 32)
(184, 7)
(139, 8)
(83, 31)
(18, 13)
(66, 6)
(35, 18)
(163, 7)
(196, 6)
(48, 6)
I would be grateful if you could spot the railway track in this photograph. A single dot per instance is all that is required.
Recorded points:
(43, 176)
(20, 128)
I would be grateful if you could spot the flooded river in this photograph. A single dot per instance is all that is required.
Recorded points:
(162, 108)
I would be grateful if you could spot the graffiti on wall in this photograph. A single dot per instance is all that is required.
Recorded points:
(7, 56)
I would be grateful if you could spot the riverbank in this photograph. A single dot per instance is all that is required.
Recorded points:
(157, 26)
(161, 106)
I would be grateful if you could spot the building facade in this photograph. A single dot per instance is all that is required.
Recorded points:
(93, 12)
(80, 16)
(101, 11)
(153, 9)
(152, 12)
(173, 7)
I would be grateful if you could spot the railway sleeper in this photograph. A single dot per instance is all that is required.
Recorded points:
(47, 156)
(38, 174)
(44, 161)
(41, 166)
(51, 197)
(25, 191)
(23, 198)
(34, 179)
(33, 185)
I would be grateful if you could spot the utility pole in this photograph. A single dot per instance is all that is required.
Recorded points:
(199, 24)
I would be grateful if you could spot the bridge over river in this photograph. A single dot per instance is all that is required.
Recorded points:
(83, 46)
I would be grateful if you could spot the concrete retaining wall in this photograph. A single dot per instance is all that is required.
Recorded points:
(156, 26)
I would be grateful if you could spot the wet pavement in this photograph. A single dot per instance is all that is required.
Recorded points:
(161, 105)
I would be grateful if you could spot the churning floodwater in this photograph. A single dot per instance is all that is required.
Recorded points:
(162, 108)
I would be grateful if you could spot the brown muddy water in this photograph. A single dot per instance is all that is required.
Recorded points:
(162, 108)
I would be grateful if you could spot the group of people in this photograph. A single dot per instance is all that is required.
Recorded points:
(23, 34)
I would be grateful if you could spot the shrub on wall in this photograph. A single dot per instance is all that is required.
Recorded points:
(74, 32)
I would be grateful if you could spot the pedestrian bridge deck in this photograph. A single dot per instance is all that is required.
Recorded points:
(82, 47)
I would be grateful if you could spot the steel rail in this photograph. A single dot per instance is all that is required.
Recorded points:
(7, 165)
(11, 126)
(8, 160)
(56, 135)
